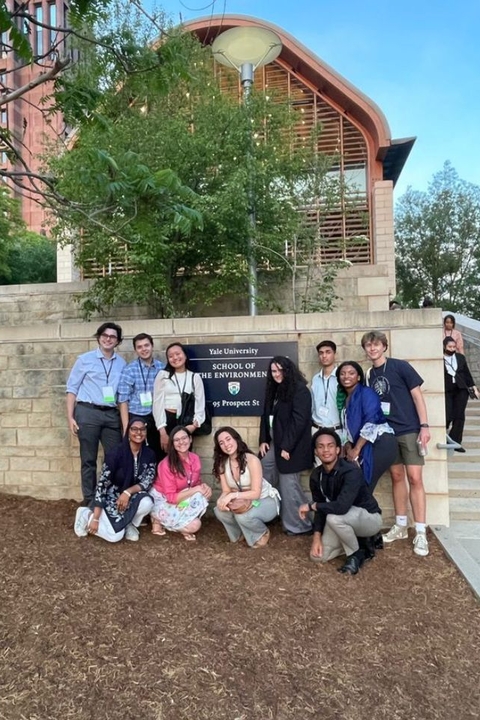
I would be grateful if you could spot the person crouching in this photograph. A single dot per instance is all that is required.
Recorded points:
(347, 516)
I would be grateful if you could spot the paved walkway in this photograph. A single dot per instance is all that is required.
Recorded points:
(461, 543)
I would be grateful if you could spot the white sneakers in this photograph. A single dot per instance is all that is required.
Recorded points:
(396, 532)
(131, 533)
(400, 532)
(420, 544)
(81, 521)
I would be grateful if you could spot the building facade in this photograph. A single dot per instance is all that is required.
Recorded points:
(29, 125)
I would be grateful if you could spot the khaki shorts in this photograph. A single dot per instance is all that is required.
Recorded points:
(407, 453)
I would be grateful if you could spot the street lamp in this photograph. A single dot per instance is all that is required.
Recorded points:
(245, 49)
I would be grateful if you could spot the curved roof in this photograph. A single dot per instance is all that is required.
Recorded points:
(326, 80)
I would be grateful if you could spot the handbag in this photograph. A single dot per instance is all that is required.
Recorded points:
(239, 506)
(188, 411)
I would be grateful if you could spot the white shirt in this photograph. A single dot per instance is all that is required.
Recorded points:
(324, 399)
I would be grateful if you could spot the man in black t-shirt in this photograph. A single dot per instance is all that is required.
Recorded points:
(399, 386)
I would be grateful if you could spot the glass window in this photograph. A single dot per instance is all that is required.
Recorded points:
(38, 30)
(52, 20)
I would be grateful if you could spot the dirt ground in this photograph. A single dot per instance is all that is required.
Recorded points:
(163, 629)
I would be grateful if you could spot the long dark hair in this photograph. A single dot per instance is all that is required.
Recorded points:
(449, 317)
(341, 392)
(220, 458)
(292, 378)
(176, 465)
(168, 368)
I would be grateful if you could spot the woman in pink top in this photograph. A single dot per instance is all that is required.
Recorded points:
(449, 331)
(179, 496)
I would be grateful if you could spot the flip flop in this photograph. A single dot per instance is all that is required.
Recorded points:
(189, 537)
(157, 528)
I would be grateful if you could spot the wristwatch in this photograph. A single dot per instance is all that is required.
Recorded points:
(424, 425)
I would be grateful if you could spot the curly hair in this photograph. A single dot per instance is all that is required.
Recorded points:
(168, 368)
(176, 465)
(292, 378)
(220, 458)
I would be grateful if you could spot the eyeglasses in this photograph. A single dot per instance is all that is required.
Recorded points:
(138, 430)
(109, 337)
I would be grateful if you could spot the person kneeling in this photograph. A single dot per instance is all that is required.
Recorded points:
(347, 516)
(247, 501)
(121, 497)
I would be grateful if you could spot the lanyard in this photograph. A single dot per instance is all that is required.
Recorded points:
(180, 392)
(321, 485)
(325, 390)
(107, 375)
(145, 382)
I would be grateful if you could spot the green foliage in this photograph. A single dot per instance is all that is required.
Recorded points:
(25, 257)
(438, 244)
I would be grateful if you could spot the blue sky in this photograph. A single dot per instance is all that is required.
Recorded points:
(419, 61)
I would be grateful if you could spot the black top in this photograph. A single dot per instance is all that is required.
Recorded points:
(335, 492)
(463, 376)
(292, 422)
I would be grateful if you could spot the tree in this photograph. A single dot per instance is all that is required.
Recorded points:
(437, 235)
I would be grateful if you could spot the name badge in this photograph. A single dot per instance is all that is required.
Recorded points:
(108, 394)
(385, 408)
(323, 411)
(146, 399)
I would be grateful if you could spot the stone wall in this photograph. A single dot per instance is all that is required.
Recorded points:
(39, 457)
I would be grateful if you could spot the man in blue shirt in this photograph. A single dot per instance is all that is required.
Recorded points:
(324, 388)
(399, 386)
(135, 390)
(92, 410)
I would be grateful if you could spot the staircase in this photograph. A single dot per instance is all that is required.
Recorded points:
(464, 471)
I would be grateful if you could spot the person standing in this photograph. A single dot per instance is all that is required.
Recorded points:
(285, 439)
(399, 386)
(92, 410)
(325, 411)
(458, 380)
(135, 390)
(450, 331)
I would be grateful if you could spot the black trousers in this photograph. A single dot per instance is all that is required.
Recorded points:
(384, 453)
(455, 404)
(95, 426)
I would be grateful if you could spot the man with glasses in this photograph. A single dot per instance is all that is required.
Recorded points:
(135, 390)
(92, 410)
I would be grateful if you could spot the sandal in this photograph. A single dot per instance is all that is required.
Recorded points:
(190, 537)
(157, 528)
(262, 541)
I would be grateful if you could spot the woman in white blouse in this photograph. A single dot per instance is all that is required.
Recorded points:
(171, 384)
(247, 500)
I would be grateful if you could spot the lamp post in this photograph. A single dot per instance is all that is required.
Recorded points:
(245, 49)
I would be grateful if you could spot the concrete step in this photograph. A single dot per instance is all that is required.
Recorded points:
(466, 529)
(468, 458)
(464, 470)
(463, 487)
(470, 441)
(465, 509)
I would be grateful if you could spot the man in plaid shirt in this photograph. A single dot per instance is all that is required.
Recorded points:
(135, 389)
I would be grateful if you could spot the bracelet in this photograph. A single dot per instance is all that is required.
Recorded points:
(94, 519)
(127, 493)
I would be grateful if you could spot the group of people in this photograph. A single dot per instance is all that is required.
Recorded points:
(351, 426)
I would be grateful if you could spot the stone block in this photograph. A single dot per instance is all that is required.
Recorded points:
(13, 420)
(60, 465)
(416, 342)
(40, 421)
(33, 437)
(29, 463)
(15, 451)
(4, 463)
(17, 477)
(438, 512)
(8, 437)
(373, 286)
(432, 373)
(15, 406)
(58, 451)
(58, 478)
(435, 477)
(377, 302)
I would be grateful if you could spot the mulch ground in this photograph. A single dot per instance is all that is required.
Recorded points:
(163, 629)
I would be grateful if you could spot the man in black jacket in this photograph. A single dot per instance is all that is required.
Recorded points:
(347, 515)
(458, 380)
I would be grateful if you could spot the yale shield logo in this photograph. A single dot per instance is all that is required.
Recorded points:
(233, 388)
